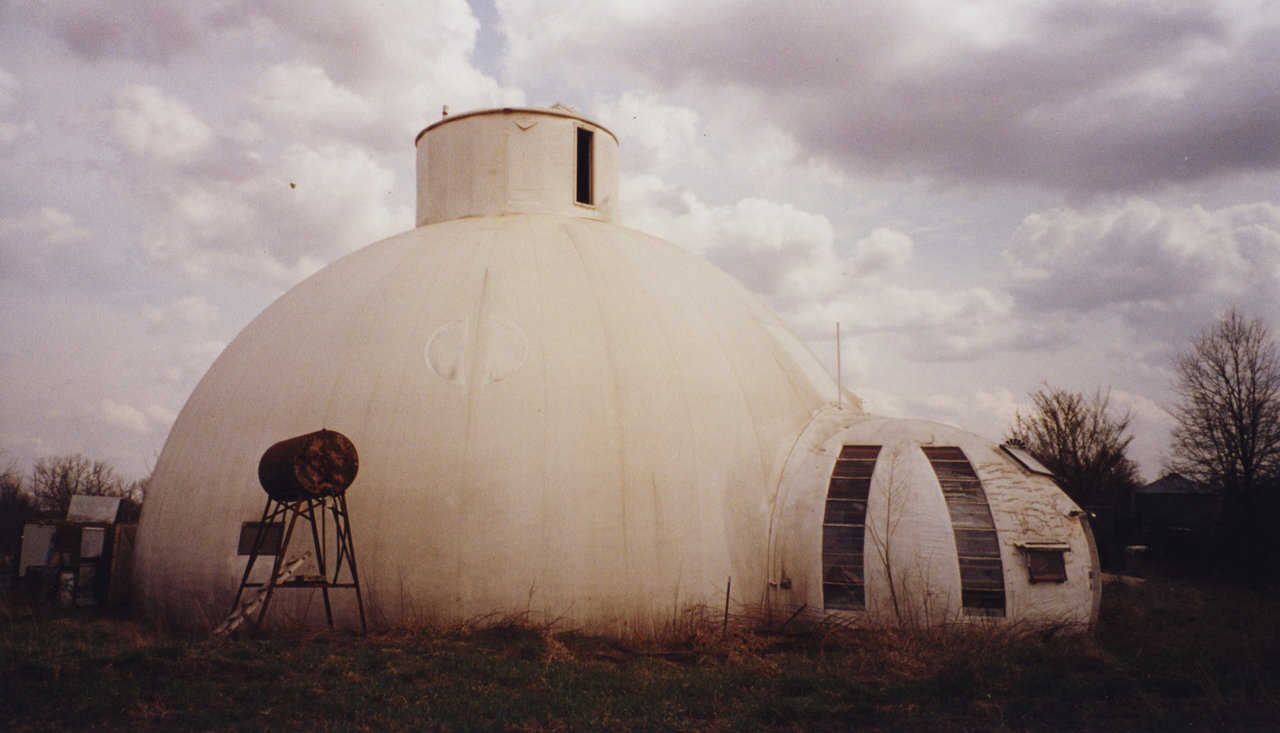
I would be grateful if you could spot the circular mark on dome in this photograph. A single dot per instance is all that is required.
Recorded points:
(444, 351)
(460, 354)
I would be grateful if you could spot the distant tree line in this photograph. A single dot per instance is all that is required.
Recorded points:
(47, 493)
(1226, 437)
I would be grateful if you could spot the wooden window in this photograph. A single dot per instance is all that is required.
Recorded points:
(585, 139)
(977, 545)
(844, 527)
(1046, 562)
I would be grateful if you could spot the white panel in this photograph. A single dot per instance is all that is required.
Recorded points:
(84, 508)
(92, 541)
(37, 546)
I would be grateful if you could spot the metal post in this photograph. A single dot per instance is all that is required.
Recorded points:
(728, 583)
(839, 376)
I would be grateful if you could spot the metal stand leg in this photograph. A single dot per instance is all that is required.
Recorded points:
(282, 577)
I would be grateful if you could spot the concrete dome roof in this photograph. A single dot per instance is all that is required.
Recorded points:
(551, 412)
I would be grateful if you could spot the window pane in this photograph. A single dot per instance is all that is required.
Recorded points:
(849, 488)
(845, 511)
(981, 574)
(844, 573)
(842, 597)
(861, 452)
(977, 545)
(1046, 566)
(983, 602)
(854, 469)
(842, 530)
(836, 538)
(970, 515)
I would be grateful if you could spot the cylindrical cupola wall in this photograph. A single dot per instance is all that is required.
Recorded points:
(516, 161)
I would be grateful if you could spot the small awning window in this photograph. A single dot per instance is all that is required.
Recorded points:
(1046, 561)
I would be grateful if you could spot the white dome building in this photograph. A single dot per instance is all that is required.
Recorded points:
(560, 417)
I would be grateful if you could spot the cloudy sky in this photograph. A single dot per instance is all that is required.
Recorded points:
(987, 196)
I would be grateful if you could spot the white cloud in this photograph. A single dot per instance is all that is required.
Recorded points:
(304, 96)
(34, 245)
(152, 124)
(325, 201)
(124, 416)
(161, 416)
(928, 323)
(1153, 263)
(9, 86)
(299, 211)
(11, 132)
(882, 251)
(48, 224)
(989, 413)
(189, 312)
(398, 61)
(1094, 96)
(777, 249)
(659, 136)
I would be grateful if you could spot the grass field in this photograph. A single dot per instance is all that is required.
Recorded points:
(1165, 656)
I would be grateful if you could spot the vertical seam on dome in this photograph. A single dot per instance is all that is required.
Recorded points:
(617, 401)
(472, 339)
(541, 360)
(373, 291)
(692, 443)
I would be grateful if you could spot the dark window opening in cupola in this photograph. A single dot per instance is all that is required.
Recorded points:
(585, 137)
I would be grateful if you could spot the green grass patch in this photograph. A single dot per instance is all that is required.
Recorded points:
(1163, 656)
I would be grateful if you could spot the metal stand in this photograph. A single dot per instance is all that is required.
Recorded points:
(282, 574)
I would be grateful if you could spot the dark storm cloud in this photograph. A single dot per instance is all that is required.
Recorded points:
(1088, 96)
(1050, 107)
(93, 30)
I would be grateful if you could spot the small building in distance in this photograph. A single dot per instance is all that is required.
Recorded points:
(574, 422)
(1175, 519)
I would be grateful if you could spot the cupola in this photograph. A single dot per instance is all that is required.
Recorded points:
(516, 161)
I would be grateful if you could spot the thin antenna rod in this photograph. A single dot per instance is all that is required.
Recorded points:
(839, 381)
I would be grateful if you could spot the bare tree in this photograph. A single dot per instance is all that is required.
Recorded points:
(56, 478)
(1227, 431)
(1081, 442)
(17, 507)
(132, 496)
